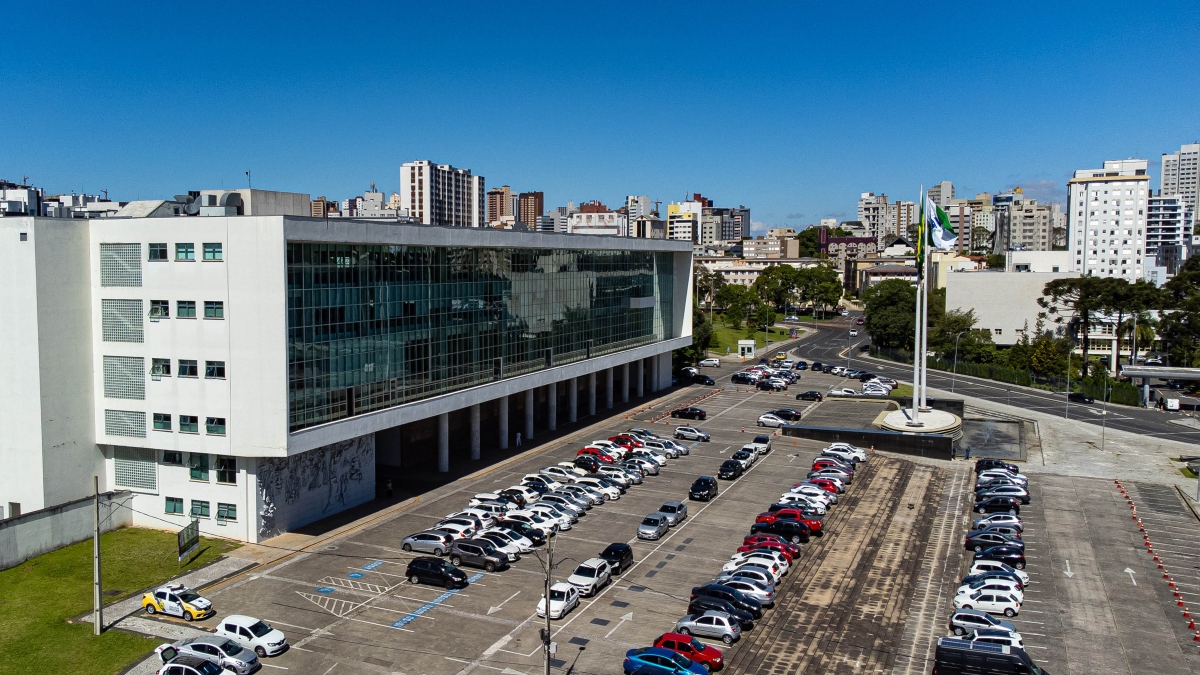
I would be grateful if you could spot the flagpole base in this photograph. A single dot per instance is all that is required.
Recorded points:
(914, 424)
(924, 409)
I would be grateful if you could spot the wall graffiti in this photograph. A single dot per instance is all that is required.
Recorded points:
(297, 490)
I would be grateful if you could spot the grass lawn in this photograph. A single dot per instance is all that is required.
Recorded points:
(39, 595)
(902, 390)
(724, 336)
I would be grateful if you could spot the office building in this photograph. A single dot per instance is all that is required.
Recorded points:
(941, 193)
(439, 194)
(1106, 218)
(1181, 174)
(530, 207)
(499, 204)
(259, 372)
(639, 205)
(873, 214)
(683, 220)
(903, 218)
(762, 247)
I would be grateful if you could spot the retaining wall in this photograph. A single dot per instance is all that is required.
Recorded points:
(37, 532)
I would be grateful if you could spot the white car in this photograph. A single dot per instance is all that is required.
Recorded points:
(761, 564)
(842, 391)
(482, 516)
(815, 491)
(502, 544)
(534, 519)
(562, 520)
(523, 545)
(860, 454)
(805, 502)
(651, 455)
(616, 474)
(607, 490)
(711, 363)
(253, 634)
(528, 493)
(841, 454)
(999, 585)
(563, 598)
(769, 420)
(560, 474)
(1017, 478)
(853, 332)
(769, 554)
(591, 575)
(550, 483)
(457, 530)
(981, 566)
(612, 449)
(837, 370)
(992, 602)
(574, 471)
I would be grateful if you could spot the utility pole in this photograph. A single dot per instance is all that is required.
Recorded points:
(546, 644)
(1104, 413)
(97, 608)
(1067, 412)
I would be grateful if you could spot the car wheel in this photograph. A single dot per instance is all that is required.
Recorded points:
(449, 584)
(489, 567)
(760, 423)
(965, 607)
(978, 549)
(439, 552)
(407, 548)
(414, 580)
(795, 539)
(187, 616)
(958, 630)
(1008, 611)
(1020, 565)
(727, 639)
(685, 631)
(455, 560)
(1012, 511)
(150, 609)
(262, 653)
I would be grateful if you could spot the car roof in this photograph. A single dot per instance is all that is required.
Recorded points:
(561, 586)
(618, 547)
(594, 562)
(672, 503)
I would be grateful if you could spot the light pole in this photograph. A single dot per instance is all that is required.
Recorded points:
(549, 566)
(1103, 413)
(954, 370)
(1067, 412)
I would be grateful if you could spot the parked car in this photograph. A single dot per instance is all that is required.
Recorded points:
(730, 469)
(1006, 530)
(981, 566)
(955, 655)
(770, 420)
(791, 530)
(744, 457)
(1009, 555)
(749, 571)
(730, 595)
(222, 651)
(1013, 491)
(711, 362)
(477, 553)
(691, 434)
(703, 488)
(996, 636)
(753, 589)
(689, 413)
(563, 598)
(691, 648)
(653, 526)
(1004, 519)
(428, 542)
(985, 464)
(963, 621)
(177, 600)
(997, 504)
(785, 414)
(175, 663)
(743, 378)
(813, 524)
(644, 465)
(817, 366)
(993, 602)
(619, 557)
(1010, 586)
(701, 604)
(655, 661)
(676, 512)
(1076, 397)
(590, 576)
(257, 635)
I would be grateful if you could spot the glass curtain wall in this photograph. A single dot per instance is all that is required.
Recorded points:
(371, 327)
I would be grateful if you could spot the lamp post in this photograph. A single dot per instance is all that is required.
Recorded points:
(1067, 412)
(954, 370)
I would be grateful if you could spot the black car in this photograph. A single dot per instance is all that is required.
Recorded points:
(514, 496)
(765, 384)
(731, 595)
(993, 574)
(537, 486)
(828, 368)
(865, 376)
(742, 378)
(620, 556)
(703, 603)
(976, 656)
(785, 413)
(704, 489)
(791, 530)
(980, 540)
(817, 367)
(588, 463)
(809, 396)
(1076, 397)
(801, 365)
(700, 378)
(525, 530)
(998, 505)
(430, 570)
(985, 464)
(689, 413)
(1009, 555)
(730, 469)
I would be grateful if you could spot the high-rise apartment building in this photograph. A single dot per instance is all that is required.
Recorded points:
(1168, 222)
(683, 221)
(941, 193)
(903, 219)
(873, 214)
(638, 205)
(440, 194)
(739, 223)
(1025, 225)
(1181, 174)
(530, 207)
(499, 204)
(1106, 218)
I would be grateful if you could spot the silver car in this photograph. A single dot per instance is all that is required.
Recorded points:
(758, 574)
(681, 447)
(653, 526)
(585, 492)
(712, 624)
(619, 475)
(436, 543)
(675, 512)
(647, 467)
(563, 500)
(764, 594)
(221, 651)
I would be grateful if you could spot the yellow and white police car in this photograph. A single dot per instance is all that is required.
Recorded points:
(178, 600)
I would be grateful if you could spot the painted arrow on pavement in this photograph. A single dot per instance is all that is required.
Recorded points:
(496, 608)
(1130, 573)
(1068, 571)
(627, 617)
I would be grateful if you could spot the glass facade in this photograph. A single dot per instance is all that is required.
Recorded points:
(372, 327)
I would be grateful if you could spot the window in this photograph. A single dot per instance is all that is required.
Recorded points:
(998, 331)
(160, 309)
(121, 265)
(188, 368)
(212, 252)
(172, 457)
(226, 467)
(158, 253)
(185, 252)
(162, 421)
(199, 508)
(135, 468)
(214, 426)
(189, 424)
(214, 309)
(24, 236)
(226, 511)
(175, 505)
(186, 309)
(197, 464)
(160, 367)
(214, 370)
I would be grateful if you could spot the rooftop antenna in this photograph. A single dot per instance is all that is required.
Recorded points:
(105, 194)
(24, 180)
(248, 185)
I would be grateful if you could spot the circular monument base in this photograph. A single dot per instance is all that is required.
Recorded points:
(932, 422)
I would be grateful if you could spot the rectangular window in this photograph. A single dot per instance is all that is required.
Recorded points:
(189, 424)
(160, 309)
(199, 508)
(214, 309)
(158, 252)
(185, 252)
(197, 464)
(175, 505)
(212, 252)
(121, 265)
(160, 367)
(172, 457)
(214, 370)
(226, 511)
(215, 426)
(186, 309)
(121, 320)
(135, 468)
(188, 368)
(125, 423)
(226, 470)
(162, 421)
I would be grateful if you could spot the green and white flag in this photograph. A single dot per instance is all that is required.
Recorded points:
(941, 232)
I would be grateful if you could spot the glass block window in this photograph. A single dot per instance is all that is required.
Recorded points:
(125, 377)
(158, 252)
(198, 464)
(160, 309)
(188, 368)
(121, 321)
(226, 470)
(212, 252)
(185, 252)
(226, 511)
(125, 423)
(174, 505)
(214, 426)
(121, 265)
(185, 309)
(199, 508)
(214, 309)
(190, 424)
(162, 422)
(173, 457)
(214, 370)
(135, 468)
(160, 367)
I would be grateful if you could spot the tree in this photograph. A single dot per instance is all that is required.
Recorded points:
(777, 284)
(731, 294)
(702, 332)
(1180, 324)
(809, 240)
(996, 261)
(1073, 303)
(735, 314)
(890, 308)
(1122, 298)
(819, 286)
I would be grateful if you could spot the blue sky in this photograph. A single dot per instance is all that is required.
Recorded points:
(792, 109)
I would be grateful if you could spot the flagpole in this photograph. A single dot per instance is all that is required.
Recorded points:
(915, 416)
(926, 264)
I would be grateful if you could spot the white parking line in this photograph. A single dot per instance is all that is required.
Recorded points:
(292, 625)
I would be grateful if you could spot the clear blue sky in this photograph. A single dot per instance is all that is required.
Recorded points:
(789, 108)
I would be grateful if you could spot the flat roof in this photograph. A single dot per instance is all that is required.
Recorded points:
(1163, 372)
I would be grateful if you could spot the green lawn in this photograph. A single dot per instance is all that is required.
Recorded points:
(902, 390)
(724, 336)
(38, 596)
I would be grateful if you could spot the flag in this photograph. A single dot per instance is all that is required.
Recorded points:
(920, 245)
(941, 232)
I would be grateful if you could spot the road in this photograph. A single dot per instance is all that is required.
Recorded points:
(830, 347)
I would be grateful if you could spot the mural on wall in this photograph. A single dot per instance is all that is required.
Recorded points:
(296, 490)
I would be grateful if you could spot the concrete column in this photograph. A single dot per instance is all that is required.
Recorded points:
(608, 388)
(529, 414)
(503, 422)
(591, 385)
(573, 401)
(475, 431)
(664, 370)
(625, 382)
(653, 374)
(1146, 392)
(444, 442)
(552, 399)
(641, 377)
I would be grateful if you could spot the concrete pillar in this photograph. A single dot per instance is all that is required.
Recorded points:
(641, 378)
(625, 382)
(608, 388)
(444, 442)
(503, 422)
(591, 385)
(552, 399)
(653, 374)
(664, 370)
(573, 401)
(1146, 392)
(529, 414)
(475, 431)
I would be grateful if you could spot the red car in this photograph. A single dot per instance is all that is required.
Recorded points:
(753, 540)
(823, 483)
(819, 464)
(813, 524)
(768, 545)
(598, 454)
(860, 322)
(690, 647)
(627, 442)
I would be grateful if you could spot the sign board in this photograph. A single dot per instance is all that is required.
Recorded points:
(1172, 404)
(189, 539)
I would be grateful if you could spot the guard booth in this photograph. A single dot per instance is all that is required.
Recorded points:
(746, 348)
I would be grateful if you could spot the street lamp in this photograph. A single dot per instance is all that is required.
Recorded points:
(1067, 411)
(954, 371)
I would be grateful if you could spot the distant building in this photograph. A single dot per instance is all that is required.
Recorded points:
(855, 280)
(1181, 175)
(739, 224)
(639, 205)
(648, 227)
(370, 205)
(779, 232)
(745, 272)
(530, 206)
(1168, 236)
(499, 204)
(1025, 225)
(1007, 315)
(873, 214)
(762, 247)
(1106, 216)
(439, 194)
(596, 218)
(941, 193)
(829, 222)
(20, 200)
(683, 221)
(841, 249)
(903, 218)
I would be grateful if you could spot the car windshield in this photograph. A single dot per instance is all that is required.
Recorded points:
(761, 439)
(697, 645)
(681, 660)
(669, 508)
(208, 668)
(728, 464)
(259, 629)
(488, 546)
(585, 571)
(189, 596)
(652, 521)
(557, 594)
(447, 567)
(230, 647)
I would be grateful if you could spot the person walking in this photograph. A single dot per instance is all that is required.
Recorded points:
(388, 487)
(954, 451)
(518, 439)
(968, 453)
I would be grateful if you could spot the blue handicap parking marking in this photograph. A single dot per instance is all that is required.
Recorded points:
(370, 566)
(355, 575)
(325, 589)
(423, 609)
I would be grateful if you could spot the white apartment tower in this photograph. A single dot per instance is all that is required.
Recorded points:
(1181, 174)
(1106, 218)
(941, 193)
(439, 194)
(873, 214)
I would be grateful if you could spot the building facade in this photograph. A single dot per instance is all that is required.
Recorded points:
(1181, 174)
(499, 204)
(530, 207)
(941, 193)
(1025, 225)
(440, 194)
(1106, 218)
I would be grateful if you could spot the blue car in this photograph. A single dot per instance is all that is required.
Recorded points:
(657, 661)
(801, 365)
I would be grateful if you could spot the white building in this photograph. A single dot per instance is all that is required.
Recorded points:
(1025, 225)
(439, 194)
(1168, 222)
(638, 205)
(941, 193)
(1181, 174)
(1008, 313)
(873, 214)
(1106, 218)
(610, 223)
(20, 200)
(683, 221)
